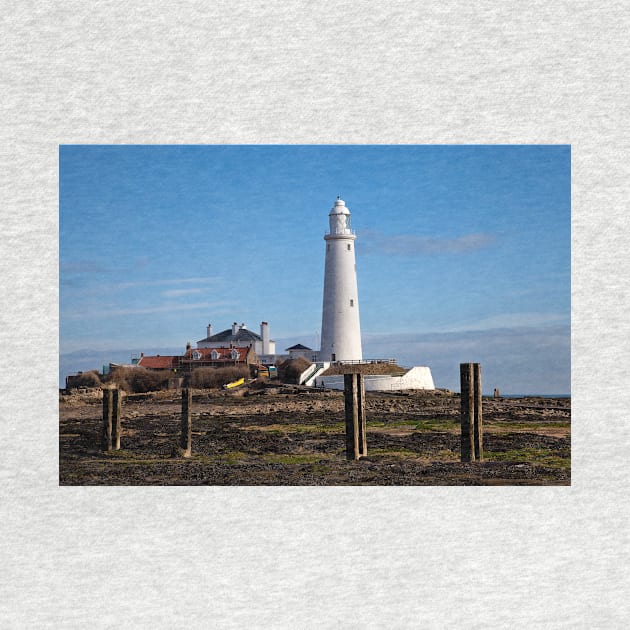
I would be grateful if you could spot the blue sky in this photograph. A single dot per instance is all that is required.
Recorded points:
(463, 252)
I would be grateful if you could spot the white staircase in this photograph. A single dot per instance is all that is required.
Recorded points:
(312, 372)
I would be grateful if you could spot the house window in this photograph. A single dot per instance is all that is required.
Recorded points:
(234, 354)
(215, 355)
(196, 355)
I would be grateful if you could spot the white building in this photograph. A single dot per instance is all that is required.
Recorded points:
(239, 336)
(418, 377)
(300, 350)
(341, 330)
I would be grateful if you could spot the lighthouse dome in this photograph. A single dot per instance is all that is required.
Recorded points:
(339, 207)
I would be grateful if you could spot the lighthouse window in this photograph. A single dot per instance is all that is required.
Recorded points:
(349, 247)
(351, 302)
(328, 247)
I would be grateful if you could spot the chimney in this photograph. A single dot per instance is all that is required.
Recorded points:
(209, 330)
(188, 345)
(234, 328)
(243, 327)
(264, 333)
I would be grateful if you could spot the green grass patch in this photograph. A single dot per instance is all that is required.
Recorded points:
(437, 425)
(418, 425)
(535, 456)
(535, 425)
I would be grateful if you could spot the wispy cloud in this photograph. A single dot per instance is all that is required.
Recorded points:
(114, 287)
(374, 242)
(166, 282)
(82, 266)
(162, 308)
(85, 266)
(511, 320)
(180, 292)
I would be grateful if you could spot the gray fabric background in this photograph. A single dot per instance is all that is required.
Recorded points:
(313, 72)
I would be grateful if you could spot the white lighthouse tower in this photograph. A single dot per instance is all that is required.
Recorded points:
(341, 330)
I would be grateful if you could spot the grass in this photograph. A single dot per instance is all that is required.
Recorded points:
(529, 426)
(535, 456)
(443, 426)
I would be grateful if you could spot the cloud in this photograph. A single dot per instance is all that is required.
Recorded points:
(165, 281)
(519, 360)
(162, 308)
(373, 242)
(180, 292)
(102, 288)
(510, 320)
(83, 266)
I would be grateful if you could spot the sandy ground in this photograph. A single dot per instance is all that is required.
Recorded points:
(295, 436)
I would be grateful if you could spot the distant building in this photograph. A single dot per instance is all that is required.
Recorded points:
(298, 350)
(225, 356)
(240, 337)
(158, 362)
(200, 357)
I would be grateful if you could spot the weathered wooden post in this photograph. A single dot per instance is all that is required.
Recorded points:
(361, 415)
(185, 442)
(116, 418)
(467, 414)
(352, 416)
(471, 412)
(108, 404)
(478, 426)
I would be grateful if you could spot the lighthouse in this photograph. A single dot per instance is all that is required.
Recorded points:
(341, 330)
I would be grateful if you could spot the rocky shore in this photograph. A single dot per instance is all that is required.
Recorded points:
(290, 435)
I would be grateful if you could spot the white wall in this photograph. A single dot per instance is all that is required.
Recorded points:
(418, 377)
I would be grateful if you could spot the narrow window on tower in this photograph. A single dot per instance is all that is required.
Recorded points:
(327, 247)
(351, 302)
(349, 247)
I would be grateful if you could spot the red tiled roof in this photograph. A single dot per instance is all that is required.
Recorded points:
(159, 362)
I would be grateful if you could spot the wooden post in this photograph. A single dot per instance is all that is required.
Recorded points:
(108, 404)
(471, 412)
(466, 373)
(352, 416)
(116, 420)
(185, 442)
(361, 415)
(478, 426)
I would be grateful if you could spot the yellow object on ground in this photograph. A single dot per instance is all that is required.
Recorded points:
(234, 383)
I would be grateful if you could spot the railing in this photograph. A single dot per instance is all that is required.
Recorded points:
(365, 362)
(308, 373)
